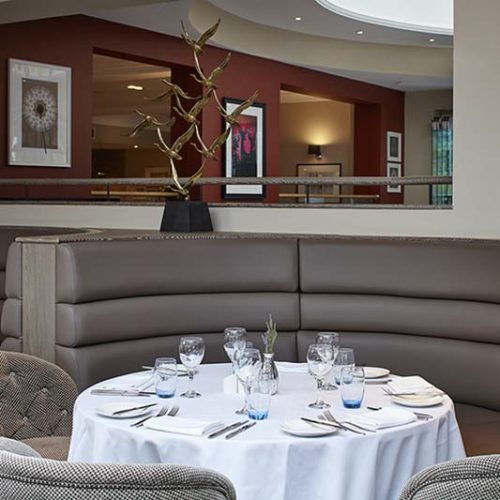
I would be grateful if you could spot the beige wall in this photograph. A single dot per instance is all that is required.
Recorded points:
(420, 108)
(327, 123)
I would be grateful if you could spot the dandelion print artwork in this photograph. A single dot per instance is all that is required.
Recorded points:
(39, 114)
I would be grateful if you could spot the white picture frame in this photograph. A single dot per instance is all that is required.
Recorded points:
(394, 170)
(394, 146)
(39, 114)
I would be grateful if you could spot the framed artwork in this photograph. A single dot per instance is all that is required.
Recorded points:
(394, 170)
(39, 114)
(394, 146)
(244, 151)
(320, 193)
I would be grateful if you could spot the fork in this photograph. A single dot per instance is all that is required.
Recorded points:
(173, 411)
(163, 411)
(328, 415)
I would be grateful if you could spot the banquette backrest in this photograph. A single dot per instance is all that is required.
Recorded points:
(120, 304)
(8, 234)
(422, 306)
(429, 307)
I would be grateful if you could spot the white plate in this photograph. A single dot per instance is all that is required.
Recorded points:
(375, 372)
(418, 401)
(108, 409)
(303, 429)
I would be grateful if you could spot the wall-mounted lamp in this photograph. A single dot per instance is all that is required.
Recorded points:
(314, 150)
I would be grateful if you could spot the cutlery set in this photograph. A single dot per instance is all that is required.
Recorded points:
(227, 429)
(172, 412)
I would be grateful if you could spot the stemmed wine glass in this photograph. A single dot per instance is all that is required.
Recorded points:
(333, 339)
(234, 340)
(247, 364)
(191, 351)
(320, 362)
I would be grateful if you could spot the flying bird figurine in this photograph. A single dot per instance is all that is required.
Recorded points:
(198, 45)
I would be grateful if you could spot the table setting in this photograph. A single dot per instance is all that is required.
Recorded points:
(324, 429)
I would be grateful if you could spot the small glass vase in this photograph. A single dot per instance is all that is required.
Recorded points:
(269, 372)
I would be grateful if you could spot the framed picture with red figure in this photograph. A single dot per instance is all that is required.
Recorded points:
(244, 151)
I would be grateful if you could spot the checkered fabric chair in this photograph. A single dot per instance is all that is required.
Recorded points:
(471, 478)
(28, 478)
(36, 403)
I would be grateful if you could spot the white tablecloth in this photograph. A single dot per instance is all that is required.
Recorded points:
(266, 463)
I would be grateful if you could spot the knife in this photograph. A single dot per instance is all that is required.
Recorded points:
(320, 422)
(226, 429)
(332, 424)
(241, 429)
(126, 410)
(104, 392)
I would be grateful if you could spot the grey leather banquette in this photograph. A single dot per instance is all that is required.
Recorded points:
(416, 306)
(8, 234)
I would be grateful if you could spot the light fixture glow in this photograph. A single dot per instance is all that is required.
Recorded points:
(432, 40)
(136, 146)
(360, 32)
(135, 87)
(298, 18)
(426, 16)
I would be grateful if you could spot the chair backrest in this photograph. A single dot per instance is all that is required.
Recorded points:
(36, 397)
(26, 478)
(475, 477)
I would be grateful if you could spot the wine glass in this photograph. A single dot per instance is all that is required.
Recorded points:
(247, 364)
(191, 351)
(320, 362)
(345, 357)
(234, 340)
(333, 339)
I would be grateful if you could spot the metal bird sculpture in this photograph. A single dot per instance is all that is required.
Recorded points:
(198, 45)
(209, 152)
(191, 116)
(148, 121)
(209, 82)
(232, 118)
(172, 89)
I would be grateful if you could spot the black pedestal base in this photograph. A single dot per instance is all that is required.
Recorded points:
(186, 217)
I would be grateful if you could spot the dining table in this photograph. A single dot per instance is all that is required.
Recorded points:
(264, 461)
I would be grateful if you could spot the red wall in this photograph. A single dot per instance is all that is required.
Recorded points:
(71, 41)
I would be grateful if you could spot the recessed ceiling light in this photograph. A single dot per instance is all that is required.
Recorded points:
(136, 146)
(432, 40)
(135, 87)
(360, 32)
(298, 18)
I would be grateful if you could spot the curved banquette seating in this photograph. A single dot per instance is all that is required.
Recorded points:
(416, 306)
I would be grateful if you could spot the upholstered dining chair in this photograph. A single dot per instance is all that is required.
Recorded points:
(36, 403)
(474, 477)
(29, 478)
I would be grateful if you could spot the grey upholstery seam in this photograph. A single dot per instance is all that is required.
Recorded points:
(122, 486)
(432, 482)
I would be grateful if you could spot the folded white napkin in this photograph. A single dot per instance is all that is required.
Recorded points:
(411, 384)
(179, 425)
(288, 367)
(382, 419)
(136, 382)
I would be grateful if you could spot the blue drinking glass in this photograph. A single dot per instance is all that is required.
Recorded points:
(165, 377)
(352, 386)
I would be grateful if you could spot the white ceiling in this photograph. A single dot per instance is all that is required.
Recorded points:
(164, 16)
(316, 20)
